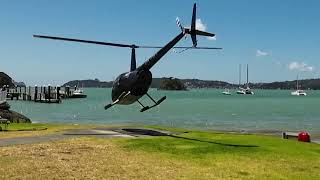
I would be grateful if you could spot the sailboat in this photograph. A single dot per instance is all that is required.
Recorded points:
(246, 90)
(241, 90)
(298, 92)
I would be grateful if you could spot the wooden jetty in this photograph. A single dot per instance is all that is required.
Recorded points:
(42, 94)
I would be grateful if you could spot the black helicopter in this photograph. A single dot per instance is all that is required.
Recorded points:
(129, 87)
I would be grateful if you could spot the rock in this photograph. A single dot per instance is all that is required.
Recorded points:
(5, 80)
(14, 117)
(4, 106)
(172, 84)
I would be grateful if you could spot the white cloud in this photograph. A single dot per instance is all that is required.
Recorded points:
(200, 26)
(261, 53)
(212, 38)
(300, 67)
(203, 27)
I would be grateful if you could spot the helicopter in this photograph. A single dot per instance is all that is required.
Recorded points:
(130, 86)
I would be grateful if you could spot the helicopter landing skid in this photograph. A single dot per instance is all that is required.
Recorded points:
(156, 103)
(123, 95)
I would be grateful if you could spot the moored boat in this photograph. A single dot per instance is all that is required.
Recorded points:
(298, 92)
(226, 92)
(78, 93)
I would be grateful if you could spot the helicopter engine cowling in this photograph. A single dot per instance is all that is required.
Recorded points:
(137, 82)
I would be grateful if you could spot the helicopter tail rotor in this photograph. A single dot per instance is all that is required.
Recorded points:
(180, 25)
(192, 31)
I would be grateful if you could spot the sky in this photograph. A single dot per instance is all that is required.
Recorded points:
(278, 39)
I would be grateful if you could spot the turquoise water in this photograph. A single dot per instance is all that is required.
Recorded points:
(198, 108)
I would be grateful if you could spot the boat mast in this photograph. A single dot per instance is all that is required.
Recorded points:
(297, 81)
(239, 75)
(247, 76)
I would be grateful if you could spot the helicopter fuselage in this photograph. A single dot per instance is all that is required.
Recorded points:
(131, 86)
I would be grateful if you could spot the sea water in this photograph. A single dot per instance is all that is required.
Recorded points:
(266, 110)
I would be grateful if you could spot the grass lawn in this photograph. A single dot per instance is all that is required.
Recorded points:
(192, 155)
(37, 129)
(234, 156)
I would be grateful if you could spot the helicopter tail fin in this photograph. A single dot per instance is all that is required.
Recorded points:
(192, 30)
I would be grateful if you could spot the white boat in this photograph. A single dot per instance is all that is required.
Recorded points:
(226, 92)
(78, 93)
(246, 90)
(241, 91)
(298, 92)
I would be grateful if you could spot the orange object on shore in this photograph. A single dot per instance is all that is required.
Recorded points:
(304, 136)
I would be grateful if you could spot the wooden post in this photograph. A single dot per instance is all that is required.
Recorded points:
(58, 93)
(15, 92)
(49, 93)
(40, 92)
(35, 93)
(25, 97)
(29, 94)
(44, 92)
(18, 93)
(24, 94)
(68, 91)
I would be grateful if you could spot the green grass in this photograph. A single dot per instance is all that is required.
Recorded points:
(224, 155)
(28, 126)
(37, 129)
(188, 155)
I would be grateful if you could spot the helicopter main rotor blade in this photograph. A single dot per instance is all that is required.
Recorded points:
(115, 44)
(179, 47)
(196, 47)
(85, 41)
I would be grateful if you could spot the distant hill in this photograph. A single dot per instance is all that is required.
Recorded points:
(196, 83)
(303, 84)
(89, 83)
(5, 80)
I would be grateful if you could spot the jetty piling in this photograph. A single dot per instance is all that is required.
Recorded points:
(35, 93)
(43, 94)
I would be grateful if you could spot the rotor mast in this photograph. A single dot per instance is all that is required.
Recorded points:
(133, 59)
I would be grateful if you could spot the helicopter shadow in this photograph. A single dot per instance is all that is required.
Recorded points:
(150, 132)
(212, 142)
